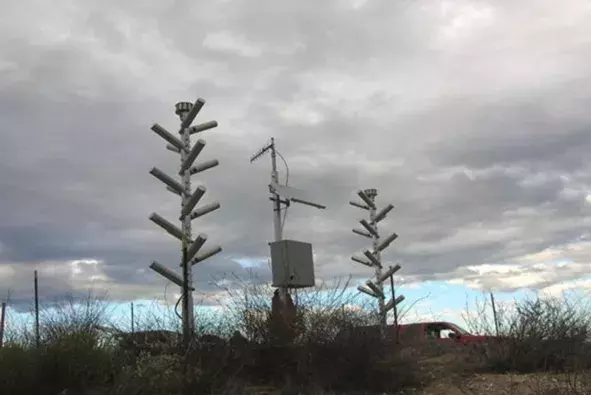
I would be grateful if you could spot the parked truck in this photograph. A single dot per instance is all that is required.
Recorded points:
(439, 332)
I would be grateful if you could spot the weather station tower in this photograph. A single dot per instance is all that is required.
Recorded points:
(373, 258)
(292, 262)
(180, 185)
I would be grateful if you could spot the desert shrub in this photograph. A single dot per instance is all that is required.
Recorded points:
(150, 374)
(317, 358)
(362, 365)
(322, 312)
(18, 370)
(541, 334)
(76, 354)
(72, 354)
(74, 360)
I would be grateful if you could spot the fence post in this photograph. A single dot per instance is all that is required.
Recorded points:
(2, 318)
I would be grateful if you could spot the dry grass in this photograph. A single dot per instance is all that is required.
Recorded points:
(544, 351)
(539, 335)
(75, 354)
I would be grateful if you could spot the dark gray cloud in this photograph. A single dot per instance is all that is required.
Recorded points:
(470, 117)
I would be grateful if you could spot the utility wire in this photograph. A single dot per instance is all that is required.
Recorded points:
(286, 184)
(286, 167)
(286, 207)
(176, 306)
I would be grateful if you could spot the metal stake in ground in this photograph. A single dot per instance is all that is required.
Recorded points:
(494, 309)
(395, 309)
(132, 320)
(37, 334)
(2, 317)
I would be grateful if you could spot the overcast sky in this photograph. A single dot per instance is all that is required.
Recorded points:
(472, 117)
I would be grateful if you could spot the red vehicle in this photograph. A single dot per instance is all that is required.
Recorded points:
(420, 333)
(438, 332)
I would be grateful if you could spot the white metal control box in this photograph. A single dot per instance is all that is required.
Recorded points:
(292, 264)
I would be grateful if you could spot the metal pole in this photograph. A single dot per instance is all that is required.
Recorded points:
(182, 110)
(187, 328)
(2, 317)
(37, 336)
(276, 202)
(395, 308)
(132, 320)
(494, 308)
(283, 291)
(372, 193)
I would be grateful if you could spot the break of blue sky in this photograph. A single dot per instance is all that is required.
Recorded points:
(439, 300)
(485, 156)
(431, 300)
(147, 314)
(248, 263)
(436, 300)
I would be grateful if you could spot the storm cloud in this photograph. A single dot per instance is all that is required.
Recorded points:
(471, 117)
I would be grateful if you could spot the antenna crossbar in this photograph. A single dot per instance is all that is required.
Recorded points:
(262, 151)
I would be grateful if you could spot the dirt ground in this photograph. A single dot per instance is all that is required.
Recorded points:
(509, 384)
(452, 377)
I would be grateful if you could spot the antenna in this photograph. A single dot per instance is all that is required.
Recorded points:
(281, 191)
(283, 195)
(270, 145)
